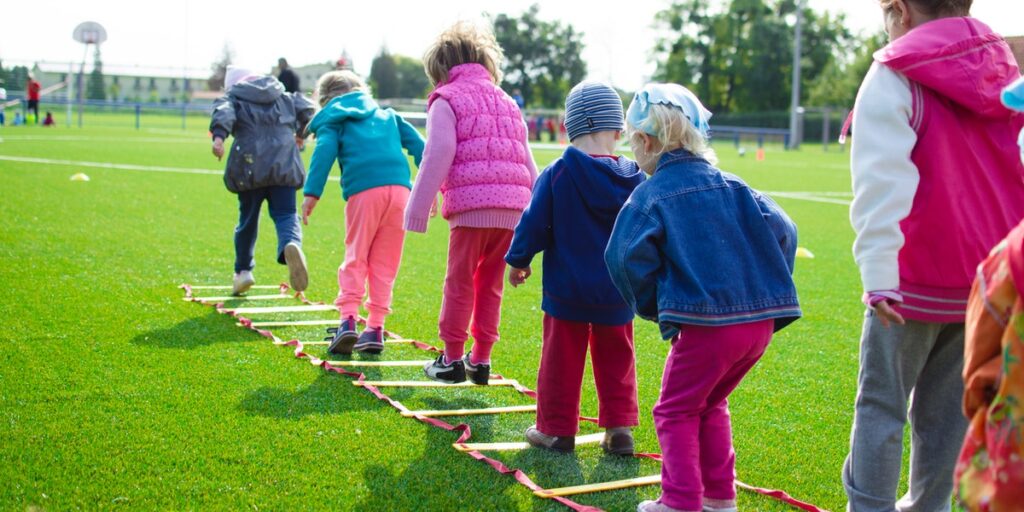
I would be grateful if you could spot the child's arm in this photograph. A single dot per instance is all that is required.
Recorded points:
(304, 111)
(222, 122)
(324, 155)
(531, 165)
(438, 155)
(634, 260)
(412, 141)
(533, 232)
(781, 225)
(885, 179)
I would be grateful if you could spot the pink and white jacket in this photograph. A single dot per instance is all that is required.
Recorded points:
(936, 176)
(476, 155)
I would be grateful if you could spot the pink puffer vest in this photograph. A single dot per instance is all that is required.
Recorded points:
(489, 170)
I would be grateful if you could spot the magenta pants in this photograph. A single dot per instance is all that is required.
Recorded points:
(691, 417)
(562, 362)
(373, 251)
(473, 286)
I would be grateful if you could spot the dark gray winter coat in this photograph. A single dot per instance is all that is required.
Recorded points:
(264, 120)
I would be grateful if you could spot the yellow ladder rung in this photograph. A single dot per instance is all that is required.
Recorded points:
(429, 383)
(605, 486)
(471, 412)
(229, 287)
(282, 309)
(319, 342)
(356, 362)
(291, 323)
(240, 297)
(484, 447)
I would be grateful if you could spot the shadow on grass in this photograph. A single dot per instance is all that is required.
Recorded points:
(328, 394)
(197, 332)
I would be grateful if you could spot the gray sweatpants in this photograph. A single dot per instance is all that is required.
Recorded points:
(924, 360)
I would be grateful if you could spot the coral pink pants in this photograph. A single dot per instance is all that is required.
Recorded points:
(692, 413)
(473, 287)
(562, 362)
(373, 251)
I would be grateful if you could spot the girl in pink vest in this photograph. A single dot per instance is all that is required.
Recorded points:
(477, 157)
(936, 183)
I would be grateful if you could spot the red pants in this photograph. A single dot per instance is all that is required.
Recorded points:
(562, 362)
(473, 286)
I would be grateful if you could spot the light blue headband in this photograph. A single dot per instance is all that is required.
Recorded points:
(1013, 95)
(639, 113)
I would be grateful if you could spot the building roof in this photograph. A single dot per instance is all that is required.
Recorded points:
(132, 71)
(1017, 45)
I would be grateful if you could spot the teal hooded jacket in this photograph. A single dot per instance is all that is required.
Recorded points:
(367, 142)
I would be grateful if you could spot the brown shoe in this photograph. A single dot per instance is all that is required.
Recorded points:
(618, 441)
(561, 444)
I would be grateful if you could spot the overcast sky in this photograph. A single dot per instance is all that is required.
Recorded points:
(191, 33)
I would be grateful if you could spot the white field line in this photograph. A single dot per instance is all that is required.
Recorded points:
(83, 138)
(123, 167)
(809, 196)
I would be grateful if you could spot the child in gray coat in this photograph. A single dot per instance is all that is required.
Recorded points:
(264, 165)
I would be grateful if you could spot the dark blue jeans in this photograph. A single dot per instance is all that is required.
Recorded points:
(281, 201)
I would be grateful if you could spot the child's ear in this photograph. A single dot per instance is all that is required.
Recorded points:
(649, 143)
(618, 135)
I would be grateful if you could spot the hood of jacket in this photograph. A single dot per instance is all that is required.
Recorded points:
(604, 184)
(961, 59)
(265, 89)
(353, 105)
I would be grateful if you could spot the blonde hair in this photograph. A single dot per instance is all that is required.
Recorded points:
(335, 83)
(674, 131)
(936, 8)
(463, 43)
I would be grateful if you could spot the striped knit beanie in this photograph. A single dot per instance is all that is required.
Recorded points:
(592, 107)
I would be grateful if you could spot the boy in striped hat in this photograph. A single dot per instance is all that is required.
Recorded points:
(570, 218)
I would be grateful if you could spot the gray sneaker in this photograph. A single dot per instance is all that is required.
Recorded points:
(618, 441)
(479, 373)
(561, 444)
(298, 276)
(371, 341)
(242, 282)
(451, 373)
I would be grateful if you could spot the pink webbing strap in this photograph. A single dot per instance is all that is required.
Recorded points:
(466, 433)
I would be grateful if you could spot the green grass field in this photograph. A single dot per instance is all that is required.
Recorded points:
(114, 392)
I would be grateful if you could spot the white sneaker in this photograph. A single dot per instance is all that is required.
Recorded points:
(243, 281)
(297, 273)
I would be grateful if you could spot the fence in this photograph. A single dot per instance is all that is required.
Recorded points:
(112, 113)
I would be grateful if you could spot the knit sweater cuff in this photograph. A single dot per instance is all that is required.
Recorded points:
(417, 224)
(490, 218)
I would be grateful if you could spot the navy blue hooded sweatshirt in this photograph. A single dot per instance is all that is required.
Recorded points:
(570, 218)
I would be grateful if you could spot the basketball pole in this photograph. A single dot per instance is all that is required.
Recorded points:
(794, 118)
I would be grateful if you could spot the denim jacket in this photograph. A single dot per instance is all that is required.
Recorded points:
(694, 245)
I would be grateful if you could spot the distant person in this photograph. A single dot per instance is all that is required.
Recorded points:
(19, 119)
(264, 165)
(32, 89)
(3, 110)
(990, 471)
(486, 176)
(936, 184)
(517, 96)
(287, 77)
(49, 120)
(367, 142)
(570, 218)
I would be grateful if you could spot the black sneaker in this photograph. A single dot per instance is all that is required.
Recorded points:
(452, 373)
(479, 373)
(371, 341)
(344, 337)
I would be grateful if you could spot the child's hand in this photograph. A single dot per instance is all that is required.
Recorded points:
(307, 208)
(518, 276)
(300, 142)
(888, 315)
(218, 148)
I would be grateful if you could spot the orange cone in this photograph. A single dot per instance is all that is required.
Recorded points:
(760, 154)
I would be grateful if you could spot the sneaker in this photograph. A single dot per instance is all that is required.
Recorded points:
(655, 506)
(344, 337)
(452, 373)
(479, 373)
(243, 281)
(561, 444)
(297, 274)
(618, 441)
(712, 505)
(371, 341)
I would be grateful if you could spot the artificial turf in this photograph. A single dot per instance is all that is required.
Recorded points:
(114, 392)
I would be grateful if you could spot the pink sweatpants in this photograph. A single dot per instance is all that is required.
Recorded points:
(473, 287)
(562, 362)
(373, 251)
(692, 414)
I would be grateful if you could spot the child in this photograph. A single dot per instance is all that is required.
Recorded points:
(935, 187)
(367, 142)
(990, 472)
(264, 165)
(477, 156)
(570, 217)
(48, 121)
(711, 260)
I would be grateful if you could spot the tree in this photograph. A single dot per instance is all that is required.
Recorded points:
(412, 80)
(384, 75)
(838, 83)
(737, 56)
(542, 58)
(95, 88)
(220, 68)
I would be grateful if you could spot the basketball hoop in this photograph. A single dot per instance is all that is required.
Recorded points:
(90, 32)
